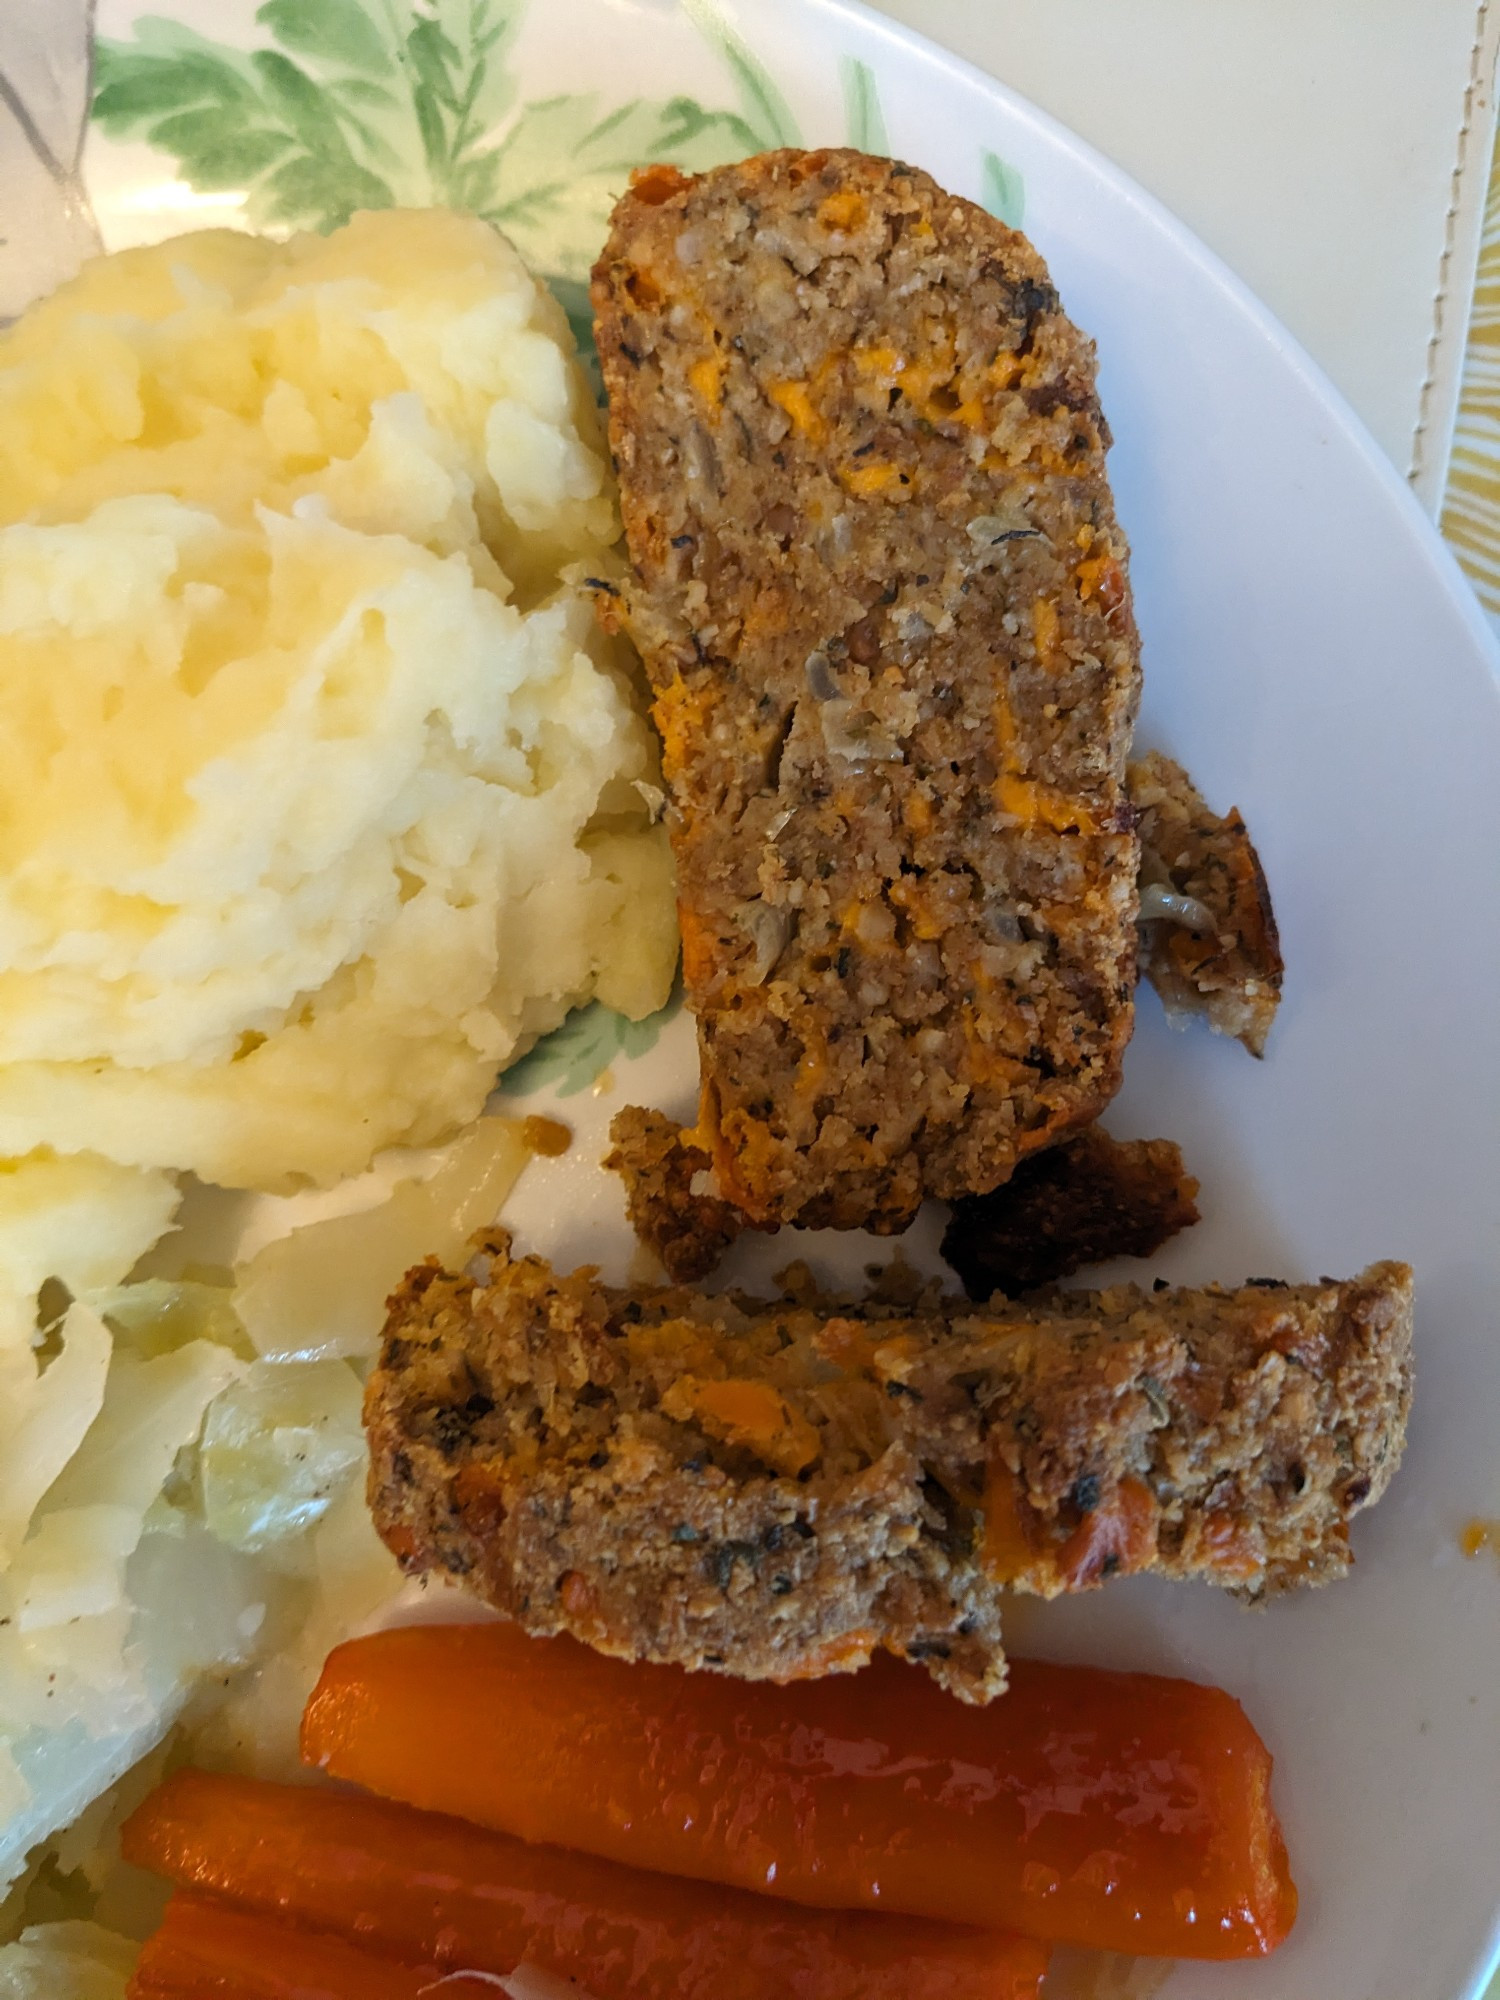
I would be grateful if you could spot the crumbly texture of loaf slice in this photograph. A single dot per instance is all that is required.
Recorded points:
(881, 594)
(777, 1488)
(1214, 951)
(659, 1162)
(1083, 1202)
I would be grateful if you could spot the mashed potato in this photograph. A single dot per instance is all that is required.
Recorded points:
(321, 796)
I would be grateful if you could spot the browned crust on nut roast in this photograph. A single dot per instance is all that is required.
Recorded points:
(881, 595)
(1230, 970)
(775, 1488)
(1083, 1202)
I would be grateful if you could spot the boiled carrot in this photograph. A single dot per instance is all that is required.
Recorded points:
(422, 1887)
(1126, 1812)
(204, 1951)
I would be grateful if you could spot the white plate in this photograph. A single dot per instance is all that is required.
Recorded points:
(1313, 655)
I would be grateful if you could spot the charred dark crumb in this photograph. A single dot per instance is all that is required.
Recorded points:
(1088, 1200)
(720, 1564)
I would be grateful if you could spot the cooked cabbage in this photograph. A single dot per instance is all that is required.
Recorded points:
(46, 1418)
(81, 1703)
(83, 1221)
(204, 1509)
(68, 1961)
(321, 1291)
(72, 1565)
(276, 1449)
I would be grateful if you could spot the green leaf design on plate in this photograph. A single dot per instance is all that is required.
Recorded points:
(561, 165)
(767, 115)
(356, 107)
(370, 103)
(1002, 189)
(863, 116)
(591, 1038)
(339, 31)
(572, 294)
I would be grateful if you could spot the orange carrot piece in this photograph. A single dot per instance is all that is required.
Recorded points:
(423, 1887)
(1122, 1811)
(206, 1952)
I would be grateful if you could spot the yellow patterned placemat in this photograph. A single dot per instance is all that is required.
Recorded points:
(1471, 504)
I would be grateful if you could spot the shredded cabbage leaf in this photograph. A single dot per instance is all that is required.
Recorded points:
(47, 1419)
(72, 1564)
(68, 1961)
(84, 1222)
(276, 1449)
(320, 1291)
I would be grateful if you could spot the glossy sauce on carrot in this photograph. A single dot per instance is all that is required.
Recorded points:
(422, 1887)
(1123, 1811)
(204, 1951)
